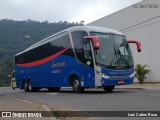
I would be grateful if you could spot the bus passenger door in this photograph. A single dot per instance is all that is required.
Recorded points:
(89, 55)
(89, 70)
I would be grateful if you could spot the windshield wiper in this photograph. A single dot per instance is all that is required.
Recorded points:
(118, 55)
(113, 58)
(121, 55)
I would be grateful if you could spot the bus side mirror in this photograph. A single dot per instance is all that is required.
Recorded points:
(137, 43)
(95, 41)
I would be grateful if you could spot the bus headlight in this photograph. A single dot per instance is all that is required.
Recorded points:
(103, 75)
(131, 75)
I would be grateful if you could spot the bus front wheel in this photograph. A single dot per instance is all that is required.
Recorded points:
(108, 88)
(76, 86)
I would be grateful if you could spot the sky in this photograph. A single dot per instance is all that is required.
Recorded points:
(64, 10)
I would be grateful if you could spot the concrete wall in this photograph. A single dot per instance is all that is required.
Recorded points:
(139, 22)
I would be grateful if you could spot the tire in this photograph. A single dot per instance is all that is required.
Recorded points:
(26, 87)
(21, 88)
(54, 89)
(76, 86)
(31, 88)
(108, 88)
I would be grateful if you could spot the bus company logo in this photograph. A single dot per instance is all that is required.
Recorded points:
(57, 71)
(59, 64)
(21, 114)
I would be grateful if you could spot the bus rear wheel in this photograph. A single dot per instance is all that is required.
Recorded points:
(76, 86)
(26, 87)
(108, 88)
(31, 88)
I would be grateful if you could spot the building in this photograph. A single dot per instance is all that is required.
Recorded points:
(141, 22)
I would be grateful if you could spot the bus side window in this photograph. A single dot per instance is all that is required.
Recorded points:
(87, 51)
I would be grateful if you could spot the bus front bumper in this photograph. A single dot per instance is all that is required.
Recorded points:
(123, 81)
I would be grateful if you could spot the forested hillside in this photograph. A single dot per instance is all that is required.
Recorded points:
(16, 36)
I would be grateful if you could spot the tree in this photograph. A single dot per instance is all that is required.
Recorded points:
(142, 72)
(82, 22)
(16, 36)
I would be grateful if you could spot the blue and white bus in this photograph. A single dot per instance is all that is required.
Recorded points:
(79, 57)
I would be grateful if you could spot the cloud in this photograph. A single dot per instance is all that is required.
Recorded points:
(93, 11)
(56, 10)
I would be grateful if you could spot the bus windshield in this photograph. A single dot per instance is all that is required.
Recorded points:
(114, 51)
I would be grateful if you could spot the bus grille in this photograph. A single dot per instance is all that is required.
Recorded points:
(125, 76)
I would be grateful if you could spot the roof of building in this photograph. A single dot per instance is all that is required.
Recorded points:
(114, 12)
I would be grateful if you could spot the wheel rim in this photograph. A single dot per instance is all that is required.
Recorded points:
(25, 85)
(30, 86)
(76, 84)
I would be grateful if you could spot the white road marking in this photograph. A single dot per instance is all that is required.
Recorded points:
(21, 100)
(52, 93)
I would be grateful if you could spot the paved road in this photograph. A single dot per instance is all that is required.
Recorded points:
(120, 99)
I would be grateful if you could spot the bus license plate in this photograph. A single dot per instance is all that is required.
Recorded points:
(121, 82)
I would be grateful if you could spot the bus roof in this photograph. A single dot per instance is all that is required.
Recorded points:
(71, 29)
(94, 28)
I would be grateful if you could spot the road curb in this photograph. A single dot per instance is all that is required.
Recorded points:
(51, 113)
(143, 87)
(146, 85)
